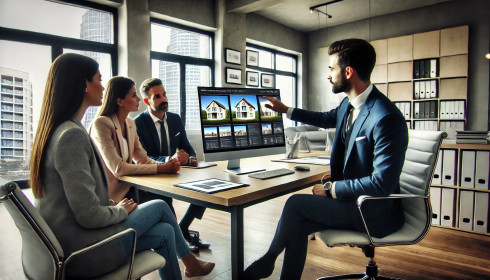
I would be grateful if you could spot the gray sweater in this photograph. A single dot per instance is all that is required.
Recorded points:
(76, 201)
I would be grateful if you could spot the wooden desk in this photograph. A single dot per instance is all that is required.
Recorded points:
(234, 200)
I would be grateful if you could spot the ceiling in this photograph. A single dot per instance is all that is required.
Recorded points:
(296, 13)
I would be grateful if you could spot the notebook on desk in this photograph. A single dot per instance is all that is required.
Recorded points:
(210, 185)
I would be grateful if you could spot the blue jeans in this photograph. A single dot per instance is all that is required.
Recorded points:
(157, 229)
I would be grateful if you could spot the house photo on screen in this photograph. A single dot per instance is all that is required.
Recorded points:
(244, 108)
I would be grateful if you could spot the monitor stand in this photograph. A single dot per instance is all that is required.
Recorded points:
(234, 167)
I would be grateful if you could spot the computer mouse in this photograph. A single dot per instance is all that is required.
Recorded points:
(302, 168)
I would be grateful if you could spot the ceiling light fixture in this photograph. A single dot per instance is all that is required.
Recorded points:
(315, 8)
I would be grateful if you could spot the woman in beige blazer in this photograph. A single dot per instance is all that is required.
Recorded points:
(116, 138)
(115, 135)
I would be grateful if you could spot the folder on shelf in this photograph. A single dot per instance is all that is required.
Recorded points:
(468, 169)
(416, 69)
(436, 179)
(452, 110)
(422, 90)
(416, 94)
(407, 110)
(448, 109)
(427, 68)
(433, 68)
(427, 89)
(433, 108)
(435, 202)
(482, 166)
(433, 89)
(480, 220)
(447, 207)
(421, 68)
(448, 167)
(442, 112)
(466, 206)
(427, 109)
(461, 111)
(416, 110)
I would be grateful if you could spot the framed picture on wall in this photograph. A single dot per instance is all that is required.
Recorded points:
(232, 56)
(252, 58)
(252, 79)
(233, 76)
(267, 80)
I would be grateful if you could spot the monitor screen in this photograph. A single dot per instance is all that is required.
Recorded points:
(235, 124)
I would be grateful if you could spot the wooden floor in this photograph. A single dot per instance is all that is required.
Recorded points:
(443, 254)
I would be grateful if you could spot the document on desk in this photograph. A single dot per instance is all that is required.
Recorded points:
(307, 160)
(210, 185)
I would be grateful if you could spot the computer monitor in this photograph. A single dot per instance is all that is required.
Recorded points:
(235, 124)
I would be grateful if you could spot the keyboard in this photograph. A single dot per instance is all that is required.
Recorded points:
(271, 173)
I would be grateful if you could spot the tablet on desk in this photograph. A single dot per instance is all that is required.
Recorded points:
(210, 185)
(201, 164)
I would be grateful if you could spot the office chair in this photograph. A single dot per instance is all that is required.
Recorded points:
(42, 255)
(415, 179)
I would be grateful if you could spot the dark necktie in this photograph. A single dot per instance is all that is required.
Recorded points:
(163, 140)
(344, 123)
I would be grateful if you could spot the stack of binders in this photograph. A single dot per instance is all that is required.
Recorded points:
(472, 137)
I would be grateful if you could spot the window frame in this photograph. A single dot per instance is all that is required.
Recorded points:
(275, 72)
(184, 60)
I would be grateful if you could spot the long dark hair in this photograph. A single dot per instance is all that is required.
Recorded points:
(117, 87)
(63, 96)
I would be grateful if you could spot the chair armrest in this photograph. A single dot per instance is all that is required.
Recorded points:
(107, 240)
(363, 198)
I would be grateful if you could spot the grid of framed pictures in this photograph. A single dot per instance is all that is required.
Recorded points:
(252, 79)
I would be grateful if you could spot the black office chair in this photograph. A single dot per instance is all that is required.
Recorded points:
(420, 159)
(42, 255)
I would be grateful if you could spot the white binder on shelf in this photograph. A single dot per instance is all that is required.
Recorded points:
(435, 202)
(461, 112)
(468, 169)
(447, 207)
(433, 68)
(416, 109)
(442, 111)
(436, 179)
(433, 89)
(407, 110)
(480, 220)
(482, 166)
(448, 167)
(466, 206)
(422, 90)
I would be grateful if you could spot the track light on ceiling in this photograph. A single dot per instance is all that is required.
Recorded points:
(315, 8)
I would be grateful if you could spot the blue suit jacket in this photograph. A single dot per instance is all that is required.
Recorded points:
(147, 132)
(374, 158)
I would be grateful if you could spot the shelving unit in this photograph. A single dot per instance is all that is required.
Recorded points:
(446, 52)
(482, 189)
(395, 74)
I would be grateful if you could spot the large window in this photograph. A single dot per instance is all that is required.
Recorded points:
(283, 69)
(32, 34)
(182, 58)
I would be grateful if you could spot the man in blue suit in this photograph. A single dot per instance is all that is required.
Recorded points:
(367, 157)
(162, 134)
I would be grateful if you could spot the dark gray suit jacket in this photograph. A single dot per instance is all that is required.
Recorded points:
(147, 132)
(76, 201)
(374, 159)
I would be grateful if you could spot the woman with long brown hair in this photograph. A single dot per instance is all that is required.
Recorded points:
(69, 182)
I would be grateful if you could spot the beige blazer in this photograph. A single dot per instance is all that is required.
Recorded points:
(107, 134)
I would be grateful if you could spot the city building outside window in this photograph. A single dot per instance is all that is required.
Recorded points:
(27, 49)
(182, 58)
